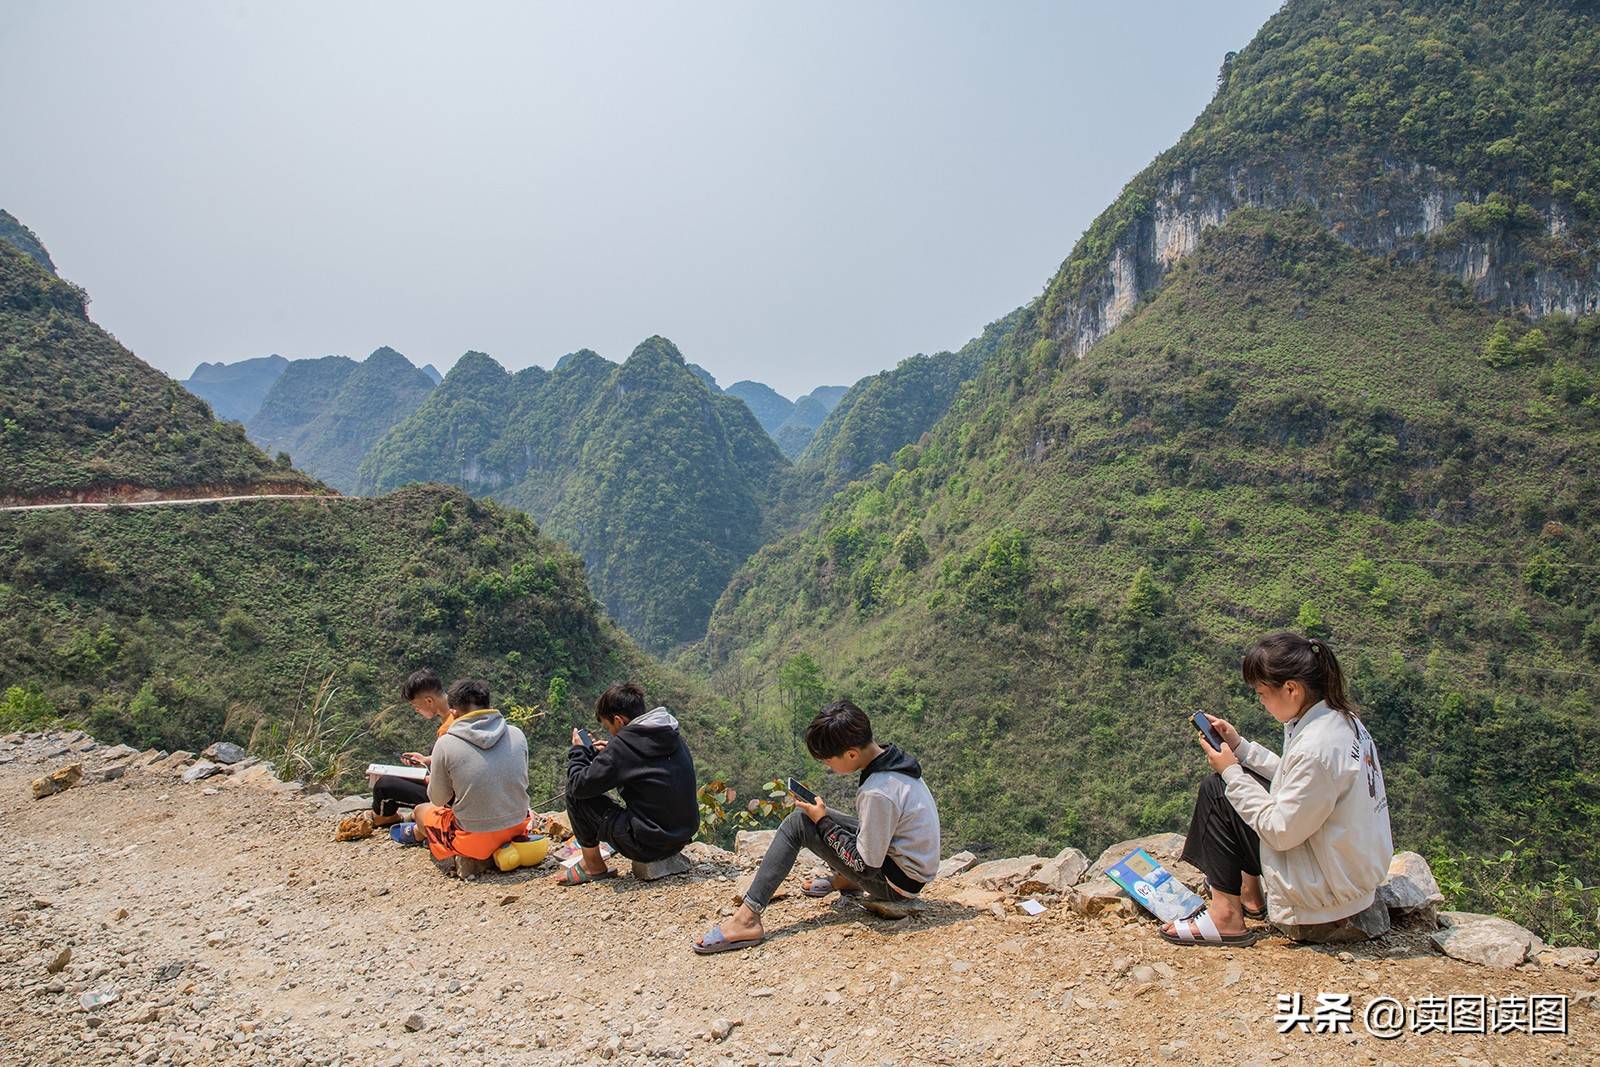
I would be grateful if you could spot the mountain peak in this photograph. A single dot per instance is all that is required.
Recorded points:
(24, 240)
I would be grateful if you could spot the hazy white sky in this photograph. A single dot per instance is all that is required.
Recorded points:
(801, 194)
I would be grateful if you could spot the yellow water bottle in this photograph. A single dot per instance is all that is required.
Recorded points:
(514, 854)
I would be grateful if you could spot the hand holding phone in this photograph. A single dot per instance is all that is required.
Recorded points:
(799, 790)
(1207, 731)
(584, 738)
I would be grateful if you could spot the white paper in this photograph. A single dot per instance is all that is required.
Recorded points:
(396, 770)
(1032, 907)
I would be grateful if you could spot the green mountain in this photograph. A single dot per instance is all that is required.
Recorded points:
(794, 434)
(18, 236)
(235, 390)
(82, 416)
(177, 626)
(327, 413)
(883, 413)
(1319, 366)
(662, 486)
(769, 406)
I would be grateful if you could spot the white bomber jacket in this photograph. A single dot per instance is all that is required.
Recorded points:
(1323, 822)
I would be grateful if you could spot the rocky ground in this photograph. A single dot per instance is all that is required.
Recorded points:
(156, 921)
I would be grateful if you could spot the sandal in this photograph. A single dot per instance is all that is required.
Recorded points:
(577, 874)
(1258, 914)
(822, 886)
(1185, 931)
(716, 941)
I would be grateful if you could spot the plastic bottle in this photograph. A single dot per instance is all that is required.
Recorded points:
(514, 854)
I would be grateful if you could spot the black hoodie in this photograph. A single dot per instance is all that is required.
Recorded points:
(649, 766)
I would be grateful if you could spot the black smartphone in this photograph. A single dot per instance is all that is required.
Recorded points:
(801, 791)
(1207, 731)
(583, 735)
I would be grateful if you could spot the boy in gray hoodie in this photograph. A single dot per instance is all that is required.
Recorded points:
(478, 782)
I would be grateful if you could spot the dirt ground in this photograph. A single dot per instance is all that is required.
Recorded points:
(232, 929)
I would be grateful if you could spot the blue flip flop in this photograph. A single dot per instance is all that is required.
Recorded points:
(716, 942)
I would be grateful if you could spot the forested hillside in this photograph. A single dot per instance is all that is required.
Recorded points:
(1289, 435)
(1370, 412)
(661, 485)
(327, 413)
(81, 415)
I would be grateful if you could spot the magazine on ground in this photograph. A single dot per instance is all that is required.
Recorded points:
(1153, 886)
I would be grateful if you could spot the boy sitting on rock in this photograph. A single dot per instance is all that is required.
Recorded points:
(477, 783)
(889, 852)
(645, 760)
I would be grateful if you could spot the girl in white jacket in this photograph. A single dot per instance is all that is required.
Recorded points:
(1309, 830)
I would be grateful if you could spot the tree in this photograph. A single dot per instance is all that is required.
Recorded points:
(801, 687)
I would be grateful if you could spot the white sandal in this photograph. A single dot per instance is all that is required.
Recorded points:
(1185, 931)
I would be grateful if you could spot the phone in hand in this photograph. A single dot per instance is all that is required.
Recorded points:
(799, 790)
(586, 738)
(1207, 731)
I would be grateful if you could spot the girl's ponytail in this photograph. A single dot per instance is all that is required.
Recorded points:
(1290, 657)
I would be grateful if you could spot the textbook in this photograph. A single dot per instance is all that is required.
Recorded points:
(396, 770)
(1153, 886)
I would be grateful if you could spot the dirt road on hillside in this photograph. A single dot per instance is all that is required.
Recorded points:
(233, 930)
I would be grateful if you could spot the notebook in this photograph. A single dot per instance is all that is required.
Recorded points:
(396, 770)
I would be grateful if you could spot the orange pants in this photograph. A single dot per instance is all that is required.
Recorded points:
(446, 839)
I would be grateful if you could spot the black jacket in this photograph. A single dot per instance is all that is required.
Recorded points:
(649, 766)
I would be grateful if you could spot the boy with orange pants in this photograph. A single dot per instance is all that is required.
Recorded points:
(478, 782)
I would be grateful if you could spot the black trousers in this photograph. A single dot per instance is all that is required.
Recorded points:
(390, 794)
(1221, 843)
(600, 818)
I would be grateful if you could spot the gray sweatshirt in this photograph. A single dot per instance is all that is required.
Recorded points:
(480, 768)
(899, 820)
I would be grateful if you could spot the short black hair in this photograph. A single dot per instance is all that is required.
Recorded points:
(838, 727)
(468, 694)
(621, 700)
(418, 682)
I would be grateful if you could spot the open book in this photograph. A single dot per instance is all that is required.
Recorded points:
(395, 770)
(1153, 886)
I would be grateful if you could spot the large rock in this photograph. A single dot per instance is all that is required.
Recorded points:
(951, 866)
(750, 847)
(1571, 956)
(1484, 939)
(1410, 892)
(1058, 875)
(118, 752)
(1001, 876)
(203, 769)
(57, 781)
(224, 752)
(1365, 925)
(700, 852)
(1164, 848)
(173, 761)
(1099, 895)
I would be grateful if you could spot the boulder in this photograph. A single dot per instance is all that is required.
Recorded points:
(149, 757)
(203, 769)
(954, 865)
(224, 752)
(677, 863)
(113, 772)
(118, 752)
(1164, 848)
(1410, 892)
(57, 781)
(1099, 895)
(1484, 939)
(259, 774)
(352, 805)
(1001, 876)
(1363, 926)
(174, 761)
(1058, 875)
(750, 847)
(553, 824)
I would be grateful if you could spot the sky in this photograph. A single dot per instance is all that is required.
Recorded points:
(802, 194)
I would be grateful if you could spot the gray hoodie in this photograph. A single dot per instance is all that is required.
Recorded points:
(480, 768)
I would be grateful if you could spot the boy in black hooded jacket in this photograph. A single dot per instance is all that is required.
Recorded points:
(647, 763)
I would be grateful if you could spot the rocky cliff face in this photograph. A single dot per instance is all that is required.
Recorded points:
(1532, 263)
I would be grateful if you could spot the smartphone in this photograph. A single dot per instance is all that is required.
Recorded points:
(584, 736)
(801, 791)
(1207, 731)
